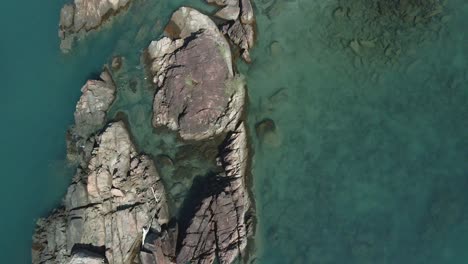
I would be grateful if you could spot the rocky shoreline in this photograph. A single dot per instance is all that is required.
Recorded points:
(116, 209)
(82, 16)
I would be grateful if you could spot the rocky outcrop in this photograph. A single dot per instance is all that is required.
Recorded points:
(109, 208)
(97, 97)
(240, 26)
(82, 16)
(115, 210)
(198, 94)
(90, 116)
(219, 227)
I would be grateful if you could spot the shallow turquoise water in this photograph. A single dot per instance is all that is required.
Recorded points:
(368, 164)
(370, 161)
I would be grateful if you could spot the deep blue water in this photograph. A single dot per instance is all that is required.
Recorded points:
(369, 161)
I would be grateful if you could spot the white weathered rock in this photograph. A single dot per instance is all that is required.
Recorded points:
(85, 257)
(228, 12)
(106, 207)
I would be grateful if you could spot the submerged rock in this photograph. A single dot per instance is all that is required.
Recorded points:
(267, 132)
(116, 63)
(84, 15)
(106, 207)
(198, 95)
(265, 126)
(380, 30)
(220, 225)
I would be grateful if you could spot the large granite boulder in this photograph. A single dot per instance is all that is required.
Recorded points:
(198, 94)
(220, 225)
(82, 16)
(109, 208)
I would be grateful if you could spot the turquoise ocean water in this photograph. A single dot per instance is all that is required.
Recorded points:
(369, 160)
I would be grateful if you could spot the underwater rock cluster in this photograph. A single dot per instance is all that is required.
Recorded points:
(381, 29)
(116, 209)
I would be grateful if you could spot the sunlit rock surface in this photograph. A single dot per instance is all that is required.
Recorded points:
(106, 207)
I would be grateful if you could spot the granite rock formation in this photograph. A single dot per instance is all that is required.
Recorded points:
(200, 96)
(97, 96)
(83, 16)
(90, 116)
(106, 208)
(240, 26)
(115, 210)
(198, 93)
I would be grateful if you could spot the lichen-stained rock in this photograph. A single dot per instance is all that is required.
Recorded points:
(198, 94)
(106, 207)
(84, 15)
(220, 225)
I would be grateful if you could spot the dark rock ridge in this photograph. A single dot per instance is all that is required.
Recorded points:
(240, 26)
(84, 15)
(220, 225)
(198, 93)
(200, 96)
(106, 208)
